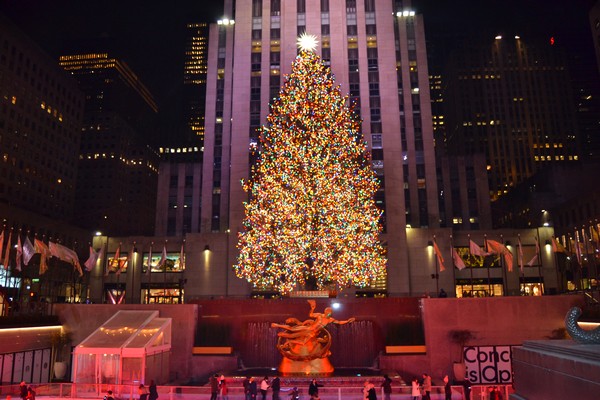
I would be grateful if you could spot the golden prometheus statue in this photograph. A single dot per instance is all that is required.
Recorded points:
(305, 345)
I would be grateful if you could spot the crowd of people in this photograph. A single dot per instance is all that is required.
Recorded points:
(255, 390)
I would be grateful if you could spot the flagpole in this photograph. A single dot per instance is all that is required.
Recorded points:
(487, 250)
(165, 276)
(521, 266)
(470, 266)
(453, 264)
(595, 246)
(105, 272)
(437, 282)
(585, 245)
(538, 251)
(558, 274)
(149, 273)
(132, 272)
(503, 265)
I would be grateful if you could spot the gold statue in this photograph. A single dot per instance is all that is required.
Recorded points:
(305, 345)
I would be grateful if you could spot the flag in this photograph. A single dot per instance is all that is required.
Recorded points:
(520, 255)
(92, 259)
(149, 269)
(129, 257)
(181, 258)
(28, 250)
(594, 236)
(458, 261)
(40, 247)
(475, 250)
(557, 247)
(65, 254)
(575, 246)
(163, 257)
(533, 261)
(500, 249)
(440, 258)
(7, 251)
(19, 257)
(116, 258)
(1, 244)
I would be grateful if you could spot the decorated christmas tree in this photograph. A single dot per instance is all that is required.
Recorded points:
(311, 219)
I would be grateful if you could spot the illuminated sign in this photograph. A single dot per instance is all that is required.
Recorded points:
(488, 364)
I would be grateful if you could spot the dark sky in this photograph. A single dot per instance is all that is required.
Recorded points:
(149, 33)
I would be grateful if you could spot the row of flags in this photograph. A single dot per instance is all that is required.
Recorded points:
(583, 242)
(493, 248)
(25, 250)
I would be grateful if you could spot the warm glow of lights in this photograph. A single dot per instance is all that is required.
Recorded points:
(28, 329)
(311, 214)
(307, 42)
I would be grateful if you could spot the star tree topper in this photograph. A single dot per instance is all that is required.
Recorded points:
(307, 42)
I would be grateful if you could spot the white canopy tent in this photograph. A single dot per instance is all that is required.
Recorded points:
(132, 347)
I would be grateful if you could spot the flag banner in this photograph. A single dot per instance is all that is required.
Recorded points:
(19, 257)
(40, 247)
(440, 258)
(7, 251)
(149, 266)
(500, 249)
(92, 259)
(594, 236)
(577, 250)
(125, 265)
(163, 257)
(557, 247)
(115, 262)
(475, 250)
(28, 250)
(1, 245)
(65, 254)
(533, 261)
(458, 262)
(181, 258)
(520, 255)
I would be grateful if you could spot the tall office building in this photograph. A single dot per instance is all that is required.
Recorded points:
(41, 110)
(194, 82)
(512, 101)
(376, 50)
(116, 190)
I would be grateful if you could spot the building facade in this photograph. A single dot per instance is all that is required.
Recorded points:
(116, 190)
(512, 101)
(194, 82)
(40, 128)
(376, 51)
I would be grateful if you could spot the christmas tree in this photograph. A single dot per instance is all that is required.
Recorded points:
(311, 217)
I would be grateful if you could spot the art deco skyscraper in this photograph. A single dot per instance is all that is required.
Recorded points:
(194, 81)
(510, 99)
(376, 50)
(116, 190)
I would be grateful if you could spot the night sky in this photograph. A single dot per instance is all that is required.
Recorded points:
(149, 33)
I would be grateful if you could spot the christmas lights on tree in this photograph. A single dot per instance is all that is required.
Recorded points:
(311, 216)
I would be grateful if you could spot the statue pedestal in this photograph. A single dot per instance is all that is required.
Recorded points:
(317, 366)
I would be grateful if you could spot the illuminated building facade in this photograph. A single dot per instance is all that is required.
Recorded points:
(118, 169)
(376, 50)
(41, 110)
(194, 82)
(513, 102)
